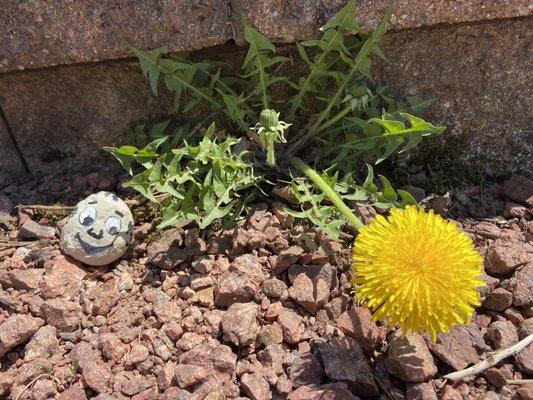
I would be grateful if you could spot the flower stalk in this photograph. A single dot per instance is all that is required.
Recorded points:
(328, 191)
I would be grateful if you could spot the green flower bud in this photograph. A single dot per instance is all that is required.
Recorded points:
(268, 119)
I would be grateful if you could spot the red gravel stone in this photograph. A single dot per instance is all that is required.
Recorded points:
(332, 391)
(74, 392)
(345, 362)
(83, 354)
(273, 357)
(498, 376)
(409, 359)
(306, 370)
(63, 278)
(275, 289)
(421, 391)
(325, 272)
(239, 324)
(112, 347)
(520, 189)
(6, 382)
(312, 295)
(240, 283)
(219, 358)
(460, 347)
(100, 299)
(504, 257)
(63, 314)
(524, 360)
(43, 344)
(498, 300)
(97, 377)
(503, 334)
(291, 325)
(27, 279)
(256, 386)
(164, 253)
(357, 323)
(130, 383)
(270, 334)
(43, 389)
(137, 354)
(187, 375)
(17, 330)
(521, 286)
(525, 392)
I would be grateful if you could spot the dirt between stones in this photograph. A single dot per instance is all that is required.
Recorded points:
(262, 311)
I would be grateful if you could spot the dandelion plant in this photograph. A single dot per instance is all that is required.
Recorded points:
(311, 131)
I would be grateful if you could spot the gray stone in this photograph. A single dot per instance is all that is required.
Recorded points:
(87, 107)
(10, 160)
(36, 34)
(291, 20)
(474, 72)
(99, 230)
(469, 69)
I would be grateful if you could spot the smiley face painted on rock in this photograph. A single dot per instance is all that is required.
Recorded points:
(99, 230)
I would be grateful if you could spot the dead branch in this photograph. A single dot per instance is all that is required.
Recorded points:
(519, 381)
(488, 235)
(45, 208)
(491, 360)
(35, 380)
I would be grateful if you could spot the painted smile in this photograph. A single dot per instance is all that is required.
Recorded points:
(89, 249)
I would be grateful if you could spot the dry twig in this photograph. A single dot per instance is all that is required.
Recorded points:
(488, 235)
(519, 381)
(492, 359)
(45, 208)
(35, 380)
(4, 245)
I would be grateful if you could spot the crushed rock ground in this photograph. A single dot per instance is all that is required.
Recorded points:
(262, 311)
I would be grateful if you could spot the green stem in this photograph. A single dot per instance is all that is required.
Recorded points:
(345, 111)
(364, 52)
(271, 158)
(328, 191)
(320, 60)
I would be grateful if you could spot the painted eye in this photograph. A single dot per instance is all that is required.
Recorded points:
(87, 216)
(112, 225)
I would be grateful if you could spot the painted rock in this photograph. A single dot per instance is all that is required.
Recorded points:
(99, 230)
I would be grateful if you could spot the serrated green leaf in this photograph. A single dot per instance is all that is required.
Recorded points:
(392, 127)
(407, 198)
(210, 176)
(369, 176)
(390, 147)
(388, 192)
(345, 19)
(418, 105)
(412, 141)
(256, 61)
(149, 60)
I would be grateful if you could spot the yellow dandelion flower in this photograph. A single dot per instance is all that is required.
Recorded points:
(417, 270)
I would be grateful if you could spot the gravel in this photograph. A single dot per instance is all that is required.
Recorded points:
(245, 313)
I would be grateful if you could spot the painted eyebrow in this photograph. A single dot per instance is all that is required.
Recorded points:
(93, 202)
(119, 213)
